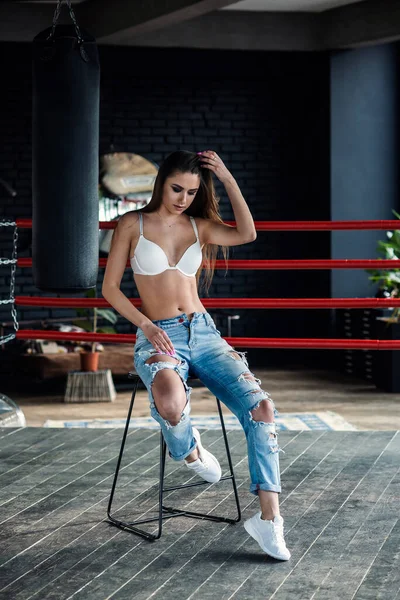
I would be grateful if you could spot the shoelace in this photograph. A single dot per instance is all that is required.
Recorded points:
(278, 529)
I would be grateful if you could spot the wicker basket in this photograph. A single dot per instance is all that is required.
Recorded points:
(88, 386)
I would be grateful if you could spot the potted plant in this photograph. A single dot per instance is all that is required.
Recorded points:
(386, 364)
(90, 355)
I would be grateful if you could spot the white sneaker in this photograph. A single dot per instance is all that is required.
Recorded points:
(206, 466)
(269, 535)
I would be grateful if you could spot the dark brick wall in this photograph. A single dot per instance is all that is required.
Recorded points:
(265, 113)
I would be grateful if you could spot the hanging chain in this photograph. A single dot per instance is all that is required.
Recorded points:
(12, 281)
(72, 15)
(13, 262)
(6, 261)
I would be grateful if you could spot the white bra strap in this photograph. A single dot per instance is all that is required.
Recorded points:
(195, 227)
(141, 223)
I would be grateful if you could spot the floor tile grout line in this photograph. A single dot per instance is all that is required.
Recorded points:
(283, 502)
(356, 533)
(252, 500)
(120, 532)
(45, 440)
(218, 439)
(96, 503)
(56, 491)
(72, 499)
(192, 477)
(50, 464)
(299, 519)
(331, 519)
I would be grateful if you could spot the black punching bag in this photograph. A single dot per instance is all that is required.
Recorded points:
(65, 144)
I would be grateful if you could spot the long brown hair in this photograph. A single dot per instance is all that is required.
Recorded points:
(205, 203)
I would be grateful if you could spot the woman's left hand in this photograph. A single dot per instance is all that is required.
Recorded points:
(210, 160)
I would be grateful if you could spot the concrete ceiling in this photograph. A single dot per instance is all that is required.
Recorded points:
(288, 5)
(281, 25)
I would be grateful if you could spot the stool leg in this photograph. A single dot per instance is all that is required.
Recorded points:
(228, 453)
(111, 518)
(128, 418)
(177, 512)
(163, 451)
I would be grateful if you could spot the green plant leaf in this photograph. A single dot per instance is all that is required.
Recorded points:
(91, 293)
(395, 240)
(389, 250)
(107, 314)
(390, 253)
(372, 271)
(393, 277)
(384, 248)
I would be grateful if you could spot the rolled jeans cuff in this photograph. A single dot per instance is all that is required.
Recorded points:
(183, 456)
(266, 487)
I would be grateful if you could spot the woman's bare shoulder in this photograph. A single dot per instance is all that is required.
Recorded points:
(201, 222)
(129, 218)
(128, 225)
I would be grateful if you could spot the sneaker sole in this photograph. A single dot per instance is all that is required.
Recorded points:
(254, 534)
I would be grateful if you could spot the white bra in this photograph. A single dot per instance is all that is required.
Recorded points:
(150, 258)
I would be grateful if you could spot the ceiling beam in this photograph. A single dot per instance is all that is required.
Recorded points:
(239, 30)
(199, 24)
(126, 18)
(363, 23)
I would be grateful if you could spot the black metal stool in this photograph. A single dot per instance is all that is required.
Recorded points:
(171, 512)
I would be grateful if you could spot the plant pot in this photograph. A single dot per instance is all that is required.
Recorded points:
(89, 361)
(386, 363)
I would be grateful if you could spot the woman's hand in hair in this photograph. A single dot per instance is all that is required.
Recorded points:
(210, 160)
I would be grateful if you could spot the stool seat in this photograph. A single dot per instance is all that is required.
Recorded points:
(165, 512)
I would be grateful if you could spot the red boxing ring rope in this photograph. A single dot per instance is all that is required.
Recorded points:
(223, 302)
(280, 264)
(247, 342)
(279, 225)
(251, 302)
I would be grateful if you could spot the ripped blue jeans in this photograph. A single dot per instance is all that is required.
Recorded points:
(200, 349)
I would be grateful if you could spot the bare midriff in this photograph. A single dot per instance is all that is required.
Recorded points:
(167, 295)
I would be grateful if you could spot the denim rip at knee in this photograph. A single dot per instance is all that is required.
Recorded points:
(178, 437)
(224, 370)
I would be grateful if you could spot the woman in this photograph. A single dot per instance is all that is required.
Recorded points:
(175, 332)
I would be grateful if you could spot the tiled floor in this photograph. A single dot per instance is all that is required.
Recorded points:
(339, 500)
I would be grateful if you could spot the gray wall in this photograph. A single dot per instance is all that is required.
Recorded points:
(364, 155)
